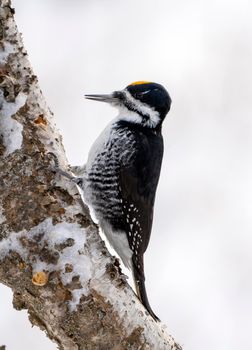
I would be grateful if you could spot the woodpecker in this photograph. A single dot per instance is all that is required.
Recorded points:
(121, 175)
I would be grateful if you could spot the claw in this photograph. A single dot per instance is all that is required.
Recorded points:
(77, 180)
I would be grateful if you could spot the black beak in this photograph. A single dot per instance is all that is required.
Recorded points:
(109, 98)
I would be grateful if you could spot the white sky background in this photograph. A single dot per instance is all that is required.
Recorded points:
(199, 262)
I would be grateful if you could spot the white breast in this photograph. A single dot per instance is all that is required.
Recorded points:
(99, 145)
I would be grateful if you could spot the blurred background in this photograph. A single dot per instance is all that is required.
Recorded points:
(199, 262)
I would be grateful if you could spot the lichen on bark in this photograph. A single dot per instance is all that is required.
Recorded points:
(51, 254)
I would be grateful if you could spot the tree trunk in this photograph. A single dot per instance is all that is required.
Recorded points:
(50, 251)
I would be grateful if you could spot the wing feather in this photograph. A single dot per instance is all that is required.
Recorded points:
(138, 182)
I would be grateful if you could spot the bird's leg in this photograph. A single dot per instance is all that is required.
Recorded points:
(77, 180)
(78, 170)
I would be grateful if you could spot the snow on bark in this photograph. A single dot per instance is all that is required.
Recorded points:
(7, 49)
(11, 130)
(50, 251)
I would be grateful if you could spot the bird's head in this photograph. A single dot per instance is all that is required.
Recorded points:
(142, 102)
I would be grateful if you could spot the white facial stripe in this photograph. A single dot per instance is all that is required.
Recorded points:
(145, 92)
(153, 116)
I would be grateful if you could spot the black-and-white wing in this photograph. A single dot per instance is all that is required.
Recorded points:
(138, 182)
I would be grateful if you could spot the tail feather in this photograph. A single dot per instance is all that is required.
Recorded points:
(141, 292)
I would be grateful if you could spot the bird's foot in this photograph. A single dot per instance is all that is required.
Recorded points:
(55, 167)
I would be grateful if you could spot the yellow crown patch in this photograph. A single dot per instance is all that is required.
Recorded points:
(139, 82)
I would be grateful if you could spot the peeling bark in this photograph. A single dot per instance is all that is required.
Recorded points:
(51, 254)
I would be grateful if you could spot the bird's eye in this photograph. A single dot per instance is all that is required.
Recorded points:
(141, 95)
(145, 92)
(138, 95)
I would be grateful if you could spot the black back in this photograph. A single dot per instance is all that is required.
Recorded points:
(138, 182)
